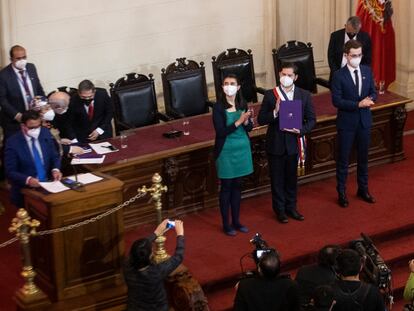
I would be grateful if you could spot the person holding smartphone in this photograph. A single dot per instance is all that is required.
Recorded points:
(145, 279)
(232, 121)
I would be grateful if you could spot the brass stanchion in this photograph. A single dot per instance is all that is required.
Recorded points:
(29, 297)
(24, 227)
(156, 190)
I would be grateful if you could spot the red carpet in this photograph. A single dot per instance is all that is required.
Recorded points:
(213, 257)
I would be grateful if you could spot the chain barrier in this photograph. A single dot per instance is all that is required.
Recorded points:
(82, 223)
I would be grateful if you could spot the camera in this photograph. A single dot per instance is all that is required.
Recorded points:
(261, 247)
(375, 269)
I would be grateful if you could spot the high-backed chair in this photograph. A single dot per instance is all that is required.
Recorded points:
(185, 88)
(238, 62)
(302, 55)
(135, 102)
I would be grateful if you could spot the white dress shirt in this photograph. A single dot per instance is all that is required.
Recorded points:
(29, 84)
(351, 70)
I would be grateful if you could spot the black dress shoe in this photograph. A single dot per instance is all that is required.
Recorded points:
(295, 215)
(282, 218)
(366, 196)
(342, 200)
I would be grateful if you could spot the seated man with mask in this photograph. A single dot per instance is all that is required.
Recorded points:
(90, 114)
(30, 156)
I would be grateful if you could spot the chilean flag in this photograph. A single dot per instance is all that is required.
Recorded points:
(375, 18)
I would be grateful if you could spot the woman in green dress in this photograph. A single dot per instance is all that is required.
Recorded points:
(232, 121)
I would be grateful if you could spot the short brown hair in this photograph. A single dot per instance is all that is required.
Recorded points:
(352, 44)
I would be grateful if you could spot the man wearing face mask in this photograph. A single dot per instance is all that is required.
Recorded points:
(282, 145)
(30, 156)
(19, 84)
(352, 31)
(90, 114)
(353, 94)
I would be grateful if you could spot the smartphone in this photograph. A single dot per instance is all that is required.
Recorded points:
(68, 182)
(170, 224)
(110, 147)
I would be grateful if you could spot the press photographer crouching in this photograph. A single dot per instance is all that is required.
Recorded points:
(350, 292)
(145, 279)
(268, 290)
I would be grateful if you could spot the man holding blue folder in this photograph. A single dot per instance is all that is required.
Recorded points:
(289, 114)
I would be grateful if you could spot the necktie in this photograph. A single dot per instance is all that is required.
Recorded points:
(40, 169)
(356, 80)
(90, 112)
(26, 87)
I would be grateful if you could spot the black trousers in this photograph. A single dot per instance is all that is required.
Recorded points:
(284, 182)
(230, 197)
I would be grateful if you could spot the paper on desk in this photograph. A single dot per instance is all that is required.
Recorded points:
(98, 159)
(87, 178)
(102, 148)
(53, 186)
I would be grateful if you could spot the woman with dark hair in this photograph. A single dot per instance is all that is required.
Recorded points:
(145, 279)
(232, 150)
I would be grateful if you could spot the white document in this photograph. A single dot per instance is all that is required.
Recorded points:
(97, 160)
(53, 186)
(87, 178)
(103, 148)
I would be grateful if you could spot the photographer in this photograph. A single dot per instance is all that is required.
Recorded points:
(145, 280)
(311, 276)
(350, 293)
(269, 290)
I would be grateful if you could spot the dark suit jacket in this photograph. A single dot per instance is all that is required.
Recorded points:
(258, 293)
(221, 128)
(278, 142)
(346, 99)
(19, 163)
(336, 49)
(11, 98)
(79, 125)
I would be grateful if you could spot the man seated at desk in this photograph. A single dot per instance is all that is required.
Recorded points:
(90, 114)
(31, 156)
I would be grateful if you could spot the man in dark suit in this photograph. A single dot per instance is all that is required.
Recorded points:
(282, 145)
(352, 31)
(353, 94)
(19, 84)
(30, 156)
(90, 113)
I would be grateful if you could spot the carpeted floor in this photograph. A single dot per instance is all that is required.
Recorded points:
(213, 257)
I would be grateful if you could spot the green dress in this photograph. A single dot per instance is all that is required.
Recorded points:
(235, 159)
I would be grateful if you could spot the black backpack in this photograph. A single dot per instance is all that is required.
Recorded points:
(350, 301)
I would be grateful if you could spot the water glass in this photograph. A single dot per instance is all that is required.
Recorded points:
(186, 127)
(381, 87)
(123, 137)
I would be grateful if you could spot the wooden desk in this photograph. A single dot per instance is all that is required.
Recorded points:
(188, 167)
(81, 266)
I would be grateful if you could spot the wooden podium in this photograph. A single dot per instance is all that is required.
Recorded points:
(79, 268)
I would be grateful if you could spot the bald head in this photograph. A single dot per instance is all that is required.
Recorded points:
(59, 101)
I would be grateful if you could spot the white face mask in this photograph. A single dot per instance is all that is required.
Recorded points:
(61, 111)
(21, 64)
(286, 81)
(354, 62)
(49, 115)
(34, 133)
(230, 90)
